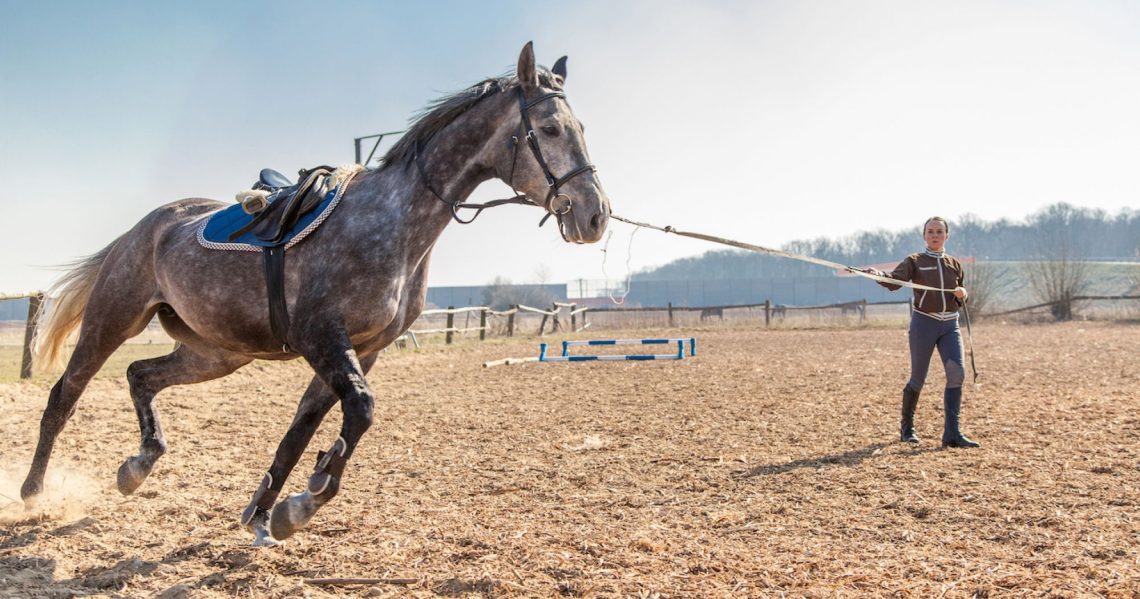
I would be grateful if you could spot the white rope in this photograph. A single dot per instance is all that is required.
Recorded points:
(628, 271)
(763, 250)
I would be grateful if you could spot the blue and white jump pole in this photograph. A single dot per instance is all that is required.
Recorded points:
(566, 357)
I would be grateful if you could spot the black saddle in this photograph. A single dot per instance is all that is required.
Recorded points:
(272, 180)
(287, 202)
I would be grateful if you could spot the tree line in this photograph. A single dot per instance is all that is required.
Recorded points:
(1057, 232)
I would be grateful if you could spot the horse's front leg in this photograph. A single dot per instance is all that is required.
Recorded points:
(337, 367)
(315, 403)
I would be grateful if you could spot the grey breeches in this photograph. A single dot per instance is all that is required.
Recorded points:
(927, 333)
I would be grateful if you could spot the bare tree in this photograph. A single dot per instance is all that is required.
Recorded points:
(1061, 272)
(501, 294)
(987, 282)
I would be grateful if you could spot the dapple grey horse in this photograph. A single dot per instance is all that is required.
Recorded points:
(356, 283)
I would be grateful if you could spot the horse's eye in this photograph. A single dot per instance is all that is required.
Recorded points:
(551, 130)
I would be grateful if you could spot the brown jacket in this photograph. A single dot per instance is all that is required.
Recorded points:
(944, 273)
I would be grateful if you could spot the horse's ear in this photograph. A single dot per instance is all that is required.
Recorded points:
(527, 73)
(560, 68)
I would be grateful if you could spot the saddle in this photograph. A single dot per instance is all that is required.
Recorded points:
(278, 213)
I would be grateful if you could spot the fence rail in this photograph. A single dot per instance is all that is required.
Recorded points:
(506, 322)
(1065, 302)
(35, 301)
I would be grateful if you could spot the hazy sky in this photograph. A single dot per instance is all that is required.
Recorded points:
(760, 121)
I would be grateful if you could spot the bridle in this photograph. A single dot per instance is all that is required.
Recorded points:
(556, 203)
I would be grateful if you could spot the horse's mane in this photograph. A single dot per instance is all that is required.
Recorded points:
(438, 114)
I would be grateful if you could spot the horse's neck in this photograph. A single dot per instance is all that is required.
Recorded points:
(452, 163)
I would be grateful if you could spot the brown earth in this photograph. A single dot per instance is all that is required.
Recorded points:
(765, 466)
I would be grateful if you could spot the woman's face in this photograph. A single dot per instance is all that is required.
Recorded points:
(935, 235)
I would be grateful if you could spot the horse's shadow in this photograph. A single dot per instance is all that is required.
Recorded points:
(847, 458)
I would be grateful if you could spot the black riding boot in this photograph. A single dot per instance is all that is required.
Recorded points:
(951, 436)
(909, 403)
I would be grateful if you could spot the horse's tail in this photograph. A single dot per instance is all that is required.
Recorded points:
(71, 293)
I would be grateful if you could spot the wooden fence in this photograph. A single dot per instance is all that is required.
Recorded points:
(35, 301)
(570, 317)
(1065, 305)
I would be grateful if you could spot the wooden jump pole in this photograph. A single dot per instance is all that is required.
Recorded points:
(450, 323)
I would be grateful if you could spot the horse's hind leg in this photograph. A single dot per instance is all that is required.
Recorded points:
(338, 369)
(184, 366)
(99, 338)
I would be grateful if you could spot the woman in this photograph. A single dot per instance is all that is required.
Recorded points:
(933, 323)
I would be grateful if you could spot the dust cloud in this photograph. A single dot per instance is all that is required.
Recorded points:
(66, 494)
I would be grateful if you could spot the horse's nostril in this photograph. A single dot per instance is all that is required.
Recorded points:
(595, 221)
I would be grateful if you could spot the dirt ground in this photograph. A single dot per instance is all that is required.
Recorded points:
(765, 466)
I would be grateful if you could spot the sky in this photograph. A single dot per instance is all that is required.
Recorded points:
(764, 122)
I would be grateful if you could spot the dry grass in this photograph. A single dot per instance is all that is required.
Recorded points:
(766, 466)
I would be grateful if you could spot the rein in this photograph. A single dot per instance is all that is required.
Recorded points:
(812, 260)
(526, 130)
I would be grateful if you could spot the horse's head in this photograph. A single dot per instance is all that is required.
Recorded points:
(546, 155)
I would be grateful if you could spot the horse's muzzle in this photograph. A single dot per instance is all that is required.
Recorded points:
(586, 225)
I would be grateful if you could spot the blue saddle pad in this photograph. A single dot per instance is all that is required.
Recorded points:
(215, 233)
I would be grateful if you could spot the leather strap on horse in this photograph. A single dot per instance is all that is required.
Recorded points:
(275, 284)
(271, 225)
(458, 204)
(554, 182)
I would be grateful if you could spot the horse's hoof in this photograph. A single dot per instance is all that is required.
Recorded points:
(30, 492)
(256, 520)
(292, 515)
(131, 475)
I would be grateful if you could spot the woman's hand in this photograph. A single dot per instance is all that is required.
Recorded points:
(960, 293)
(873, 271)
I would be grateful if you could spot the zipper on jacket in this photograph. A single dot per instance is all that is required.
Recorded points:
(941, 285)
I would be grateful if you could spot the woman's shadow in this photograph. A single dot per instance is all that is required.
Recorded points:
(847, 458)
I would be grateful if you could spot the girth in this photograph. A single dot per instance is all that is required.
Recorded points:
(286, 206)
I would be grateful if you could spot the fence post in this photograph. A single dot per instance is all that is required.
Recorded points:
(34, 303)
(584, 318)
(767, 312)
(554, 321)
(511, 321)
(670, 308)
(450, 323)
(542, 325)
(573, 318)
(862, 311)
(483, 324)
